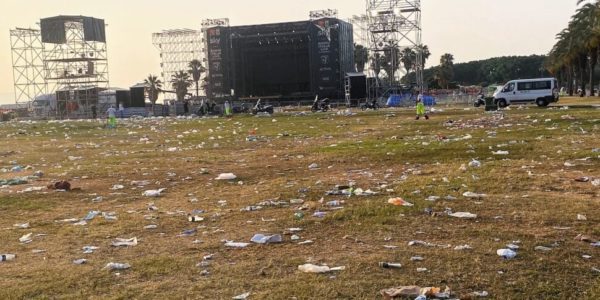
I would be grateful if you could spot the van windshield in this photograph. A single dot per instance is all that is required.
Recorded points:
(509, 87)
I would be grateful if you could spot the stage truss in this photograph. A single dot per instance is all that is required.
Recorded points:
(27, 52)
(177, 49)
(396, 24)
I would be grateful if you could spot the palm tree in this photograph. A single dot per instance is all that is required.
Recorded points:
(445, 72)
(196, 70)
(425, 54)
(376, 64)
(361, 56)
(153, 88)
(390, 62)
(180, 82)
(577, 47)
(587, 19)
(408, 58)
(206, 85)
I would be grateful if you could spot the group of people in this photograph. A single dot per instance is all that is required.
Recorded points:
(208, 107)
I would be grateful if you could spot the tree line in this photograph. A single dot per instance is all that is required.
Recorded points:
(447, 74)
(497, 70)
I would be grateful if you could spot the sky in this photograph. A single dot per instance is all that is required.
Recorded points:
(468, 29)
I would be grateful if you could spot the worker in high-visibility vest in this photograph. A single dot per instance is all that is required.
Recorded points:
(421, 107)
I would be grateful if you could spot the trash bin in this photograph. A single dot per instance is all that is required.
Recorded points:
(490, 105)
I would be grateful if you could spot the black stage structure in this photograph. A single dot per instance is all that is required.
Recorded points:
(281, 62)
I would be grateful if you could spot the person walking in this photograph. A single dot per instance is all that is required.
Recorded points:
(421, 107)
(112, 117)
(186, 107)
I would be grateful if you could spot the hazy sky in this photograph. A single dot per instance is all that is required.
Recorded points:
(469, 29)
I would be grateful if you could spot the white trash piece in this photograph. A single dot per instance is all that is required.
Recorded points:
(266, 239)
(7, 257)
(116, 266)
(226, 176)
(124, 242)
(243, 296)
(474, 195)
(463, 215)
(22, 225)
(26, 239)
(542, 248)
(80, 261)
(153, 193)
(233, 244)
(195, 219)
(463, 247)
(481, 294)
(506, 253)
(475, 164)
(310, 268)
(89, 249)
(501, 152)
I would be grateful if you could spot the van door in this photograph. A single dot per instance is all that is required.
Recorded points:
(509, 92)
(525, 92)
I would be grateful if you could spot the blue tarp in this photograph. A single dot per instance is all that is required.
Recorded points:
(429, 100)
(407, 100)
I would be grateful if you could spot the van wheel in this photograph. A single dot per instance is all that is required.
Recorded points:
(502, 103)
(541, 102)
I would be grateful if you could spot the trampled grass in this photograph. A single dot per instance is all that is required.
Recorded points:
(532, 200)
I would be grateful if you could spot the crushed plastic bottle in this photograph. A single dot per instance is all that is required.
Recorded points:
(506, 253)
(7, 257)
(195, 219)
(387, 265)
(475, 164)
(310, 268)
(116, 266)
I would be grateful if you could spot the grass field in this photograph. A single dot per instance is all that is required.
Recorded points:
(579, 101)
(532, 200)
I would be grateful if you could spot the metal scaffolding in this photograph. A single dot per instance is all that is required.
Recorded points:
(27, 52)
(177, 49)
(395, 24)
(360, 27)
(76, 65)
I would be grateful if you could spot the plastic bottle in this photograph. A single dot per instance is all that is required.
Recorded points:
(7, 257)
(195, 219)
(387, 265)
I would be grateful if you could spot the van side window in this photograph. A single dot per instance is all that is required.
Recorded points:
(525, 86)
(542, 85)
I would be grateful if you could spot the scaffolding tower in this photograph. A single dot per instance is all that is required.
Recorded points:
(360, 27)
(395, 25)
(177, 49)
(27, 52)
(75, 63)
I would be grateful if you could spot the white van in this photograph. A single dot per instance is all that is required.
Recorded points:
(541, 91)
